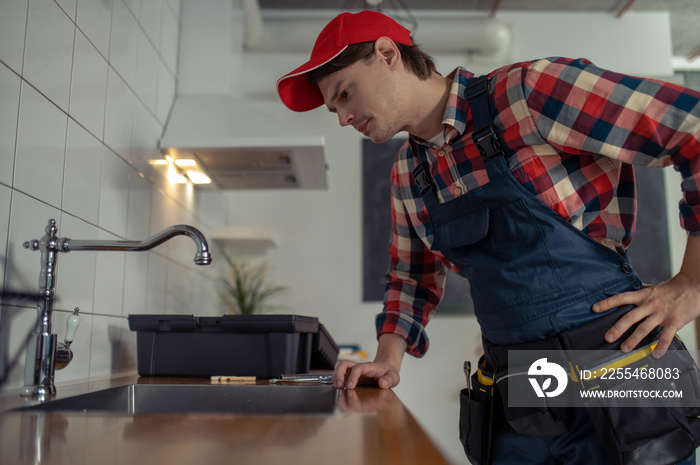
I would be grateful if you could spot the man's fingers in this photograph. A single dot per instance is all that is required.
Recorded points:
(623, 324)
(368, 370)
(634, 297)
(387, 382)
(640, 332)
(340, 373)
(664, 342)
(384, 382)
(354, 376)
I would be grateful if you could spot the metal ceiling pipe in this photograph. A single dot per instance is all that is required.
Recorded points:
(281, 31)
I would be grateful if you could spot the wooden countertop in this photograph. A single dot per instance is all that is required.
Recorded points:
(369, 426)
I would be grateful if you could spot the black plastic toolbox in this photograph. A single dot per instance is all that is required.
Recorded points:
(265, 346)
(324, 350)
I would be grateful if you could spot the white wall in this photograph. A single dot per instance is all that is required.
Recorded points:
(637, 44)
(85, 90)
(320, 252)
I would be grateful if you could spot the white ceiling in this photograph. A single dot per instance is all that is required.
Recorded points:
(685, 14)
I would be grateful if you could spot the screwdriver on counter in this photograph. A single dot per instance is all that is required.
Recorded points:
(323, 379)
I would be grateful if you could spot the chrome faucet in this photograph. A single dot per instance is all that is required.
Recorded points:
(44, 353)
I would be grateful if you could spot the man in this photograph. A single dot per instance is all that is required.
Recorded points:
(529, 194)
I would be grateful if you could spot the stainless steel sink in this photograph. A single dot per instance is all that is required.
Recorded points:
(142, 399)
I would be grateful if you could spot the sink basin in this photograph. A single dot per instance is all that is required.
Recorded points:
(142, 399)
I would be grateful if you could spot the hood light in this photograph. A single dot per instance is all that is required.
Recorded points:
(197, 177)
(182, 170)
(175, 177)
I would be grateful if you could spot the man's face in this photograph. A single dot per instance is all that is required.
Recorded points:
(366, 96)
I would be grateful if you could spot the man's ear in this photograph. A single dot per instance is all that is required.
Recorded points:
(386, 49)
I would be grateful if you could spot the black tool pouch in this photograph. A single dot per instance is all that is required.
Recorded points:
(476, 420)
(642, 435)
(536, 420)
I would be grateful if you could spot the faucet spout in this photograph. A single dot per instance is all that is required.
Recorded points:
(202, 257)
(44, 354)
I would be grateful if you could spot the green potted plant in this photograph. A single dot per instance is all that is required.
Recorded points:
(246, 289)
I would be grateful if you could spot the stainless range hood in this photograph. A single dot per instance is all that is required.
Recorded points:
(240, 147)
(237, 145)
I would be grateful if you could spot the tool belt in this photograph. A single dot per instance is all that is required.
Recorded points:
(630, 435)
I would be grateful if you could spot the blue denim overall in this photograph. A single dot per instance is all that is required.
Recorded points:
(532, 275)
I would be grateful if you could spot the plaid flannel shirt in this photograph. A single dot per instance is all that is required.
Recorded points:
(571, 132)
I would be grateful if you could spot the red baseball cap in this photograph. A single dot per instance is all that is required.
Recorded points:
(295, 89)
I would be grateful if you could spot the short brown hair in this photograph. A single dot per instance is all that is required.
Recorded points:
(414, 59)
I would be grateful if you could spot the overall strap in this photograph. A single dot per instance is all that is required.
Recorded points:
(484, 137)
(421, 173)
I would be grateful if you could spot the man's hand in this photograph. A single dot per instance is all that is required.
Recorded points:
(672, 304)
(385, 367)
(348, 374)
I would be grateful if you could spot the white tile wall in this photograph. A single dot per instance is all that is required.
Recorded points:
(102, 350)
(41, 145)
(9, 107)
(94, 19)
(165, 88)
(155, 293)
(114, 193)
(13, 24)
(135, 283)
(145, 132)
(85, 90)
(119, 104)
(48, 54)
(81, 175)
(123, 42)
(89, 85)
(150, 16)
(139, 208)
(109, 280)
(134, 6)
(169, 38)
(69, 7)
(146, 78)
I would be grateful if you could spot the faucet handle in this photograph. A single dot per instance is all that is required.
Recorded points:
(72, 326)
(63, 353)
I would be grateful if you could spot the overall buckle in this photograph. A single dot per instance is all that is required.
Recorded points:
(478, 87)
(423, 179)
(487, 143)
